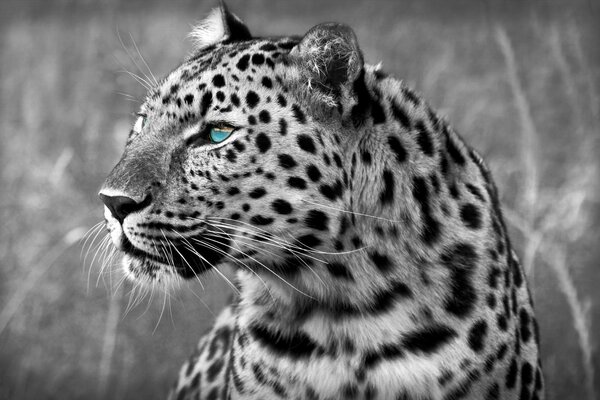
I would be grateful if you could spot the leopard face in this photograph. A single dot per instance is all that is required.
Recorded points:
(260, 196)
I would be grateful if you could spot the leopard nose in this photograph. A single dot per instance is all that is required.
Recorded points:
(121, 206)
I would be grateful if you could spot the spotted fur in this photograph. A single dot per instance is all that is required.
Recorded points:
(373, 260)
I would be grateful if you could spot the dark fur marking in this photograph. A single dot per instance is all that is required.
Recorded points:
(263, 142)
(431, 227)
(298, 345)
(316, 219)
(398, 149)
(281, 206)
(296, 182)
(306, 143)
(387, 194)
(381, 261)
(461, 260)
(313, 173)
(423, 139)
(298, 114)
(470, 215)
(260, 220)
(429, 339)
(477, 336)
(286, 161)
(339, 270)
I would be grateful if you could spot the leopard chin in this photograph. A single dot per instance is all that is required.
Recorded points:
(187, 258)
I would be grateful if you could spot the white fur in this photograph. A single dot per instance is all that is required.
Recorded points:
(209, 31)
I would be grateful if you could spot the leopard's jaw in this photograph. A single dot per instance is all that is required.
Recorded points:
(367, 234)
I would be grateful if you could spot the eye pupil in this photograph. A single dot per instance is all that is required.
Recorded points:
(217, 135)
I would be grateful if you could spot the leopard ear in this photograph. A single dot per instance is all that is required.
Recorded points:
(330, 56)
(220, 26)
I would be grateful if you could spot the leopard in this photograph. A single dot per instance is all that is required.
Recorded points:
(370, 254)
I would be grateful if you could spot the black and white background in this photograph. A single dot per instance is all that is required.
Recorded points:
(520, 80)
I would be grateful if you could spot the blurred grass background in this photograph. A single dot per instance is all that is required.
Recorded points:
(520, 81)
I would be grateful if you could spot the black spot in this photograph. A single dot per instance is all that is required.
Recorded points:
(281, 206)
(205, 103)
(524, 321)
(431, 228)
(218, 80)
(235, 100)
(295, 346)
(239, 146)
(297, 182)
(475, 192)
(281, 101)
(511, 376)
(306, 143)
(232, 191)
(454, 151)
(268, 47)
(267, 82)
(188, 99)
(257, 193)
(461, 260)
(470, 215)
(298, 114)
(401, 115)
(332, 192)
(387, 193)
(411, 96)
(313, 173)
(493, 277)
(246, 207)
(316, 220)
(385, 299)
(310, 241)
(381, 261)
(264, 117)
(428, 339)
(260, 220)
(231, 156)
(258, 59)
(337, 160)
(385, 352)
(477, 336)
(286, 161)
(214, 369)
(339, 270)
(263, 142)
(220, 96)
(366, 157)
(252, 99)
(282, 127)
(213, 394)
(377, 113)
(242, 64)
(397, 148)
(423, 139)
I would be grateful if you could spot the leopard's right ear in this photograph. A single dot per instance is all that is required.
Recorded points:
(220, 26)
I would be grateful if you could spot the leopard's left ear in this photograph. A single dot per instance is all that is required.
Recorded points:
(220, 26)
(330, 58)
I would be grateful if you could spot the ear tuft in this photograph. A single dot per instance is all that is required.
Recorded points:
(330, 55)
(220, 26)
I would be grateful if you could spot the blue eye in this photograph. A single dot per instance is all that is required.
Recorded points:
(219, 133)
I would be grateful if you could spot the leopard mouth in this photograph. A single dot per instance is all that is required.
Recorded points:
(189, 259)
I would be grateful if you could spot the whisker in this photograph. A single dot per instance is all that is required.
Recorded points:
(143, 59)
(132, 58)
(350, 212)
(268, 269)
(242, 263)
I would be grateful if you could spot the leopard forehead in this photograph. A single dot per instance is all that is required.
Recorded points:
(207, 77)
